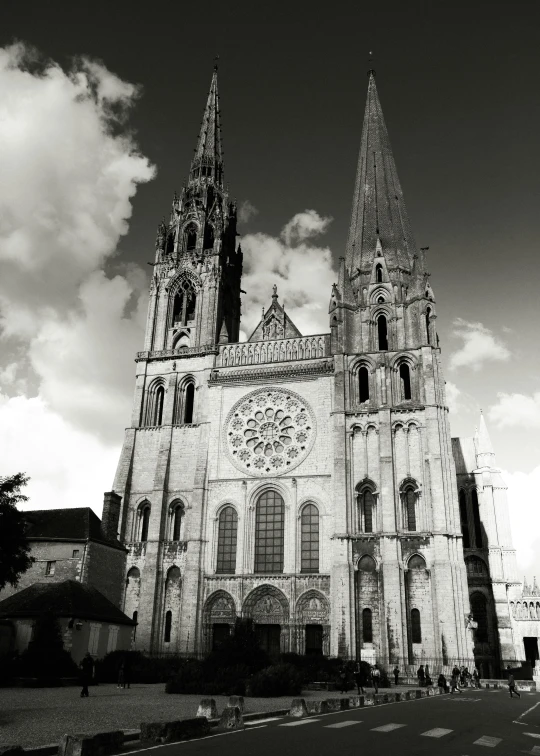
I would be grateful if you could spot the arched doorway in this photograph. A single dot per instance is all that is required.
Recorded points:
(313, 624)
(269, 610)
(219, 618)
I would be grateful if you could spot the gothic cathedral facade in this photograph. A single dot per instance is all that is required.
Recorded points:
(307, 482)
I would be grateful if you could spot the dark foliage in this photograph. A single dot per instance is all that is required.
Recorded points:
(277, 680)
(138, 667)
(15, 556)
(314, 668)
(45, 657)
(240, 648)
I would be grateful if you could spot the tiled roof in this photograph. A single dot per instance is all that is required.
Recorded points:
(73, 524)
(67, 599)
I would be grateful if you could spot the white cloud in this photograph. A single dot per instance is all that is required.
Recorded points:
(70, 168)
(247, 212)
(516, 410)
(480, 345)
(524, 506)
(452, 397)
(302, 271)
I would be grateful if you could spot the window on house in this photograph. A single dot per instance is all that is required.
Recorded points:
(227, 537)
(476, 519)
(382, 333)
(269, 533)
(113, 638)
(416, 628)
(76, 553)
(405, 381)
(168, 627)
(464, 520)
(50, 568)
(93, 640)
(363, 384)
(309, 527)
(367, 626)
(410, 507)
(145, 522)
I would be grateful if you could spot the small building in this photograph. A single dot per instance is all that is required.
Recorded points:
(88, 620)
(73, 544)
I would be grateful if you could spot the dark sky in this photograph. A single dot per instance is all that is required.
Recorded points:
(459, 86)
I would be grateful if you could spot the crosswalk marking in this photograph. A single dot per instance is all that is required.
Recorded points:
(387, 727)
(299, 722)
(347, 723)
(436, 732)
(487, 740)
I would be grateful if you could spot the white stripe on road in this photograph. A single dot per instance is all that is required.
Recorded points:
(526, 712)
(488, 741)
(261, 721)
(387, 727)
(436, 732)
(535, 750)
(348, 723)
(532, 734)
(300, 722)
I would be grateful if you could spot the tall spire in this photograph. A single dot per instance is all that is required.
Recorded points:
(378, 206)
(484, 448)
(207, 163)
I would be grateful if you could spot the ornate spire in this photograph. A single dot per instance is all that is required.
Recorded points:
(378, 206)
(207, 163)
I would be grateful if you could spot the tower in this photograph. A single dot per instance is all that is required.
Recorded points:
(398, 576)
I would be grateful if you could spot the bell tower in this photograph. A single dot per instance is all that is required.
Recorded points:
(195, 289)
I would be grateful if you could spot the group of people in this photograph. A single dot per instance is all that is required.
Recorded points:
(87, 667)
(363, 676)
(460, 678)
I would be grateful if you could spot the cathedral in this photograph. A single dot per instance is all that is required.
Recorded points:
(309, 482)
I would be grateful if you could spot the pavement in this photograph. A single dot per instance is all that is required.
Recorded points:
(475, 722)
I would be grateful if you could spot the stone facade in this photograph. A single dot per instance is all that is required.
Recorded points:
(307, 482)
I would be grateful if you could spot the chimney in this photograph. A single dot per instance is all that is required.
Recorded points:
(111, 514)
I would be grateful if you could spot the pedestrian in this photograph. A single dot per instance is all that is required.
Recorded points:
(429, 681)
(87, 671)
(120, 683)
(396, 674)
(512, 686)
(476, 677)
(127, 671)
(359, 678)
(442, 683)
(421, 675)
(454, 682)
(376, 678)
(343, 679)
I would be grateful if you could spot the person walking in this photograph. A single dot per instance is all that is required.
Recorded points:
(442, 683)
(376, 678)
(343, 679)
(396, 674)
(359, 678)
(121, 682)
(421, 676)
(454, 682)
(512, 686)
(476, 678)
(87, 670)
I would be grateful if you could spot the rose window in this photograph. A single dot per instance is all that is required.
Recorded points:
(269, 432)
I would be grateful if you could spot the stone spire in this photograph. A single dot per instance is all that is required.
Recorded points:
(207, 163)
(378, 209)
(485, 455)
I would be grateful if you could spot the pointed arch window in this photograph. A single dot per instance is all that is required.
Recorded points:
(405, 382)
(155, 400)
(191, 237)
(464, 520)
(366, 510)
(476, 520)
(185, 403)
(367, 625)
(382, 333)
(378, 273)
(208, 236)
(428, 316)
(269, 533)
(177, 521)
(144, 522)
(189, 400)
(227, 537)
(184, 304)
(410, 509)
(309, 538)
(363, 384)
(416, 627)
(158, 406)
(168, 627)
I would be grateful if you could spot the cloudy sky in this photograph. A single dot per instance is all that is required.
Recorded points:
(100, 109)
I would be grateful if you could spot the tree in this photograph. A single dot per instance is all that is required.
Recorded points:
(15, 558)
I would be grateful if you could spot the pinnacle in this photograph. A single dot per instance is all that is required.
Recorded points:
(208, 158)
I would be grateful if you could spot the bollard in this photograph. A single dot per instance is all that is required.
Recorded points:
(298, 708)
(236, 701)
(354, 702)
(156, 733)
(398, 696)
(318, 707)
(231, 719)
(207, 708)
(368, 700)
(100, 744)
(334, 704)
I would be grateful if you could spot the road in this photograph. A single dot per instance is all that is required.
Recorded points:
(475, 722)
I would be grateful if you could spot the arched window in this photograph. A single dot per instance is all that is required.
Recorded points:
(184, 304)
(405, 381)
(476, 567)
(367, 564)
(168, 626)
(480, 615)
(416, 562)
(367, 626)
(309, 537)
(416, 628)
(367, 504)
(189, 399)
(464, 520)
(227, 536)
(378, 273)
(428, 316)
(269, 533)
(177, 521)
(191, 237)
(382, 333)
(208, 236)
(158, 406)
(410, 509)
(145, 522)
(476, 519)
(135, 619)
(363, 384)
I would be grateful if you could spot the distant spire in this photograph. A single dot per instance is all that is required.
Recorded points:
(484, 448)
(207, 162)
(378, 209)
